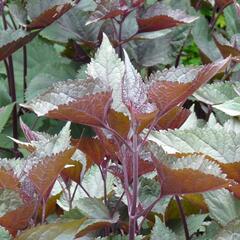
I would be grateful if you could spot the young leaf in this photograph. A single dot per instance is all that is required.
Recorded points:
(160, 16)
(109, 71)
(43, 14)
(28, 133)
(167, 94)
(134, 93)
(107, 10)
(161, 232)
(12, 40)
(149, 191)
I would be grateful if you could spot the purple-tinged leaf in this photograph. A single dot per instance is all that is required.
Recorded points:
(228, 48)
(12, 40)
(44, 174)
(107, 69)
(29, 134)
(193, 174)
(21, 217)
(168, 94)
(84, 102)
(54, 10)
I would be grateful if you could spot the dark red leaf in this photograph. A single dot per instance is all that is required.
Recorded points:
(18, 39)
(92, 148)
(167, 94)
(119, 122)
(173, 119)
(184, 181)
(18, 219)
(159, 16)
(8, 180)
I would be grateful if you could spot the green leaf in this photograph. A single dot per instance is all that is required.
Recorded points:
(230, 232)
(194, 222)
(223, 206)
(129, 26)
(72, 25)
(222, 96)
(217, 143)
(18, 11)
(97, 213)
(231, 107)
(5, 113)
(210, 232)
(230, 16)
(55, 231)
(161, 232)
(12, 40)
(152, 35)
(161, 50)
(49, 75)
(4, 234)
(204, 41)
(216, 93)
(93, 208)
(148, 192)
(39, 64)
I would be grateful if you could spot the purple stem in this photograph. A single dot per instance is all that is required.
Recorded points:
(183, 218)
